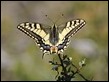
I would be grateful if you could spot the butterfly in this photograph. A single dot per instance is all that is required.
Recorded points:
(52, 40)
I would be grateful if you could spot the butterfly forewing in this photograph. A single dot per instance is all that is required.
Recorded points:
(69, 30)
(75, 26)
(36, 32)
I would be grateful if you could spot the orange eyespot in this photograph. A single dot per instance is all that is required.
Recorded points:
(53, 49)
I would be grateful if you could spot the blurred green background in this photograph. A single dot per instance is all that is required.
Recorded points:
(21, 58)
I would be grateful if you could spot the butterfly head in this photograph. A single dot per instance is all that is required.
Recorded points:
(54, 26)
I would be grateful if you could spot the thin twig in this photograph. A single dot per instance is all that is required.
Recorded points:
(64, 69)
(79, 73)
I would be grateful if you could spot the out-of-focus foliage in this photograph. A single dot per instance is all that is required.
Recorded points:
(21, 58)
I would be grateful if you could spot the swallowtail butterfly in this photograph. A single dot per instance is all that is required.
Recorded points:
(52, 41)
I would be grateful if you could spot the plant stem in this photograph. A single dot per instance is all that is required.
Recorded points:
(64, 69)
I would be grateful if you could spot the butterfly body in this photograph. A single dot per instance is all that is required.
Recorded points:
(54, 35)
(54, 41)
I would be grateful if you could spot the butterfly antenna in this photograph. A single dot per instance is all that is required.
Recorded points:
(59, 18)
(48, 18)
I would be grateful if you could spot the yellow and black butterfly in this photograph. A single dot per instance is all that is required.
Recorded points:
(52, 41)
